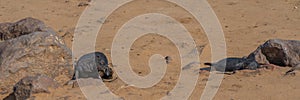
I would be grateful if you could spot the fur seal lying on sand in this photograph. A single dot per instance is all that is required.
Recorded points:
(233, 64)
(90, 65)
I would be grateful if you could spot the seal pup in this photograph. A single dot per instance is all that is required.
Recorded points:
(233, 64)
(90, 65)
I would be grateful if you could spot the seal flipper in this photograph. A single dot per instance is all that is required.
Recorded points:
(291, 71)
(209, 64)
(74, 76)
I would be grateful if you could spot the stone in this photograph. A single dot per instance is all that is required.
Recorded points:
(35, 53)
(21, 27)
(278, 52)
(33, 85)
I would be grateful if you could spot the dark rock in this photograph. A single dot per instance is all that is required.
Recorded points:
(35, 53)
(33, 85)
(22, 27)
(279, 52)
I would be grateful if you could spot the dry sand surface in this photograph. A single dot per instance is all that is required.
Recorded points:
(246, 24)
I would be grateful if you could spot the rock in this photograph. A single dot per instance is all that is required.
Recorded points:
(4, 31)
(35, 53)
(33, 85)
(279, 52)
(21, 27)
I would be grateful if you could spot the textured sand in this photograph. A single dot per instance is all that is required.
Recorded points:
(246, 24)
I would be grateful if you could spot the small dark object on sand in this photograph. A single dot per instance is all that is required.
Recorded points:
(168, 59)
(233, 64)
(82, 4)
(89, 66)
(292, 71)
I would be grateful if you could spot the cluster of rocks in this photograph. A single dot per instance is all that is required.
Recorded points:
(32, 58)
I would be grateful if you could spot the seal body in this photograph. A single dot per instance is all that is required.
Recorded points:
(90, 65)
(233, 64)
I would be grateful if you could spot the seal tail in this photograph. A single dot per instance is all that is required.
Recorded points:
(209, 64)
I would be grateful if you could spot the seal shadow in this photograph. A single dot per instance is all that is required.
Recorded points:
(208, 69)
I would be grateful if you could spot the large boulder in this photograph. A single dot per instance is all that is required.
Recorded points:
(21, 27)
(41, 52)
(279, 52)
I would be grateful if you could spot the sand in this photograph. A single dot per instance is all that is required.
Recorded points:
(246, 25)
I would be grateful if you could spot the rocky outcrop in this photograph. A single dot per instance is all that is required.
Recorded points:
(41, 52)
(279, 52)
